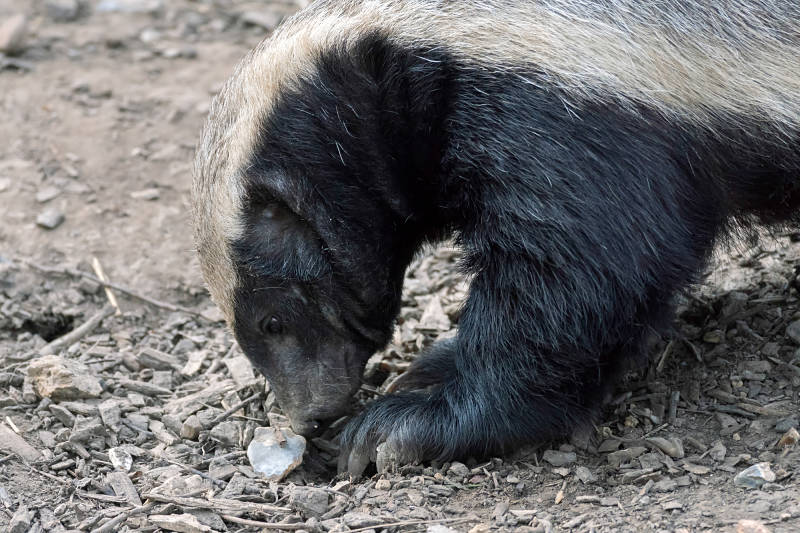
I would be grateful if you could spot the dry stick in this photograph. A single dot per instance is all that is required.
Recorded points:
(412, 523)
(674, 398)
(71, 272)
(112, 524)
(76, 334)
(215, 481)
(263, 525)
(235, 408)
(112, 299)
(218, 504)
(664, 355)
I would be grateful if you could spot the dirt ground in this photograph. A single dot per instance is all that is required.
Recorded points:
(102, 102)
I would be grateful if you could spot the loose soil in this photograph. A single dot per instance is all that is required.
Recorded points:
(101, 112)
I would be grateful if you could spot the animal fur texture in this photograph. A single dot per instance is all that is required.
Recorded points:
(587, 155)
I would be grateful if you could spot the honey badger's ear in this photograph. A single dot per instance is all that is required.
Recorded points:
(278, 243)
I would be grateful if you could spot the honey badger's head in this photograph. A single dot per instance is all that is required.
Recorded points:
(301, 227)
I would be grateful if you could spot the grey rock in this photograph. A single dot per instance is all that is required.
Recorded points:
(12, 34)
(240, 370)
(63, 10)
(162, 433)
(50, 219)
(559, 458)
(755, 476)
(226, 433)
(356, 520)
(191, 428)
(623, 456)
(585, 475)
(21, 521)
(147, 194)
(186, 523)
(458, 470)
(208, 518)
(130, 6)
(785, 424)
(672, 447)
(62, 414)
(110, 413)
(793, 331)
(718, 451)
(58, 378)
(86, 429)
(309, 501)
(45, 194)
(665, 485)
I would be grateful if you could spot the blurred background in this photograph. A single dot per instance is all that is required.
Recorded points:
(102, 102)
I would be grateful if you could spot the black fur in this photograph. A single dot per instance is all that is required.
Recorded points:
(579, 220)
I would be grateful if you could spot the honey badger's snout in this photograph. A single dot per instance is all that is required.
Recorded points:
(300, 342)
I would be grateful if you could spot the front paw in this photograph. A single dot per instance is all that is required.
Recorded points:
(386, 432)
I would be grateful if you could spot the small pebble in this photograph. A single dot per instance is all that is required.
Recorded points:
(121, 459)
(559, 458)
(751, 526)
(63, 10)
(789, 438)
(755, 476)
(12, 34)
(50, 219)
(458, 470)
(146, 194)
(793, 331)
(585, 475)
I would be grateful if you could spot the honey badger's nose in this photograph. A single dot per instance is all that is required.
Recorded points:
(306, 427)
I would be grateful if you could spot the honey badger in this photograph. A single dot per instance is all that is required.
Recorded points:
(586, 155)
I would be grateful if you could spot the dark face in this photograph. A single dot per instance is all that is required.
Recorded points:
(338, 194)
(304, 325)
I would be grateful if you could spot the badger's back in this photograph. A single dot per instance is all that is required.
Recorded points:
(687, 57)
(729, 69)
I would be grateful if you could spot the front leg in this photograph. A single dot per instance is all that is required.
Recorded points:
(517, 372)
(461, 418)
(433, 367)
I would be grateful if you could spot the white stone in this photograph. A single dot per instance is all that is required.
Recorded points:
(275, 452)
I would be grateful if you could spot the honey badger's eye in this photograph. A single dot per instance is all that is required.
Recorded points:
(271, 326)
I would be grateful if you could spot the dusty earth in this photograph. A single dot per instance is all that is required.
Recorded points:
(102, 102)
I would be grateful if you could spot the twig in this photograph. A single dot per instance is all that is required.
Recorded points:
(674, 398)
(112, 524)
(664, 356)
(264, 525)
(112, 299)
(385, 525)
(235, 408)
(203, 475)
(218, 504)
(71, 272)
(77, 333)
